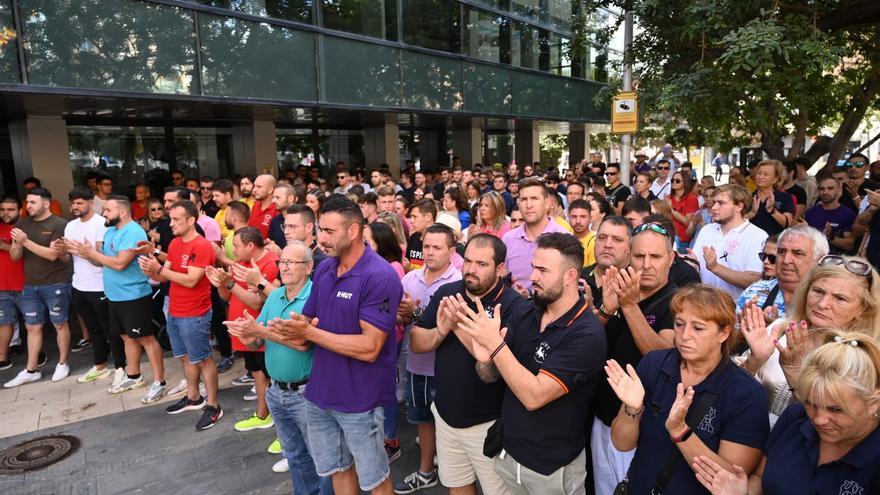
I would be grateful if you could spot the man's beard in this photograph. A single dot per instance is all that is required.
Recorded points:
(13, 221)
(545, 297)
(246, 194)
(111, 222)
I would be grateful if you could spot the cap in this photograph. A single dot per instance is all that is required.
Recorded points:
(641, 153)
(449, 220)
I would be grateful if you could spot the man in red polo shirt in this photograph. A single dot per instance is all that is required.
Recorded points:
(189, 309)
(264, 208)
(254, 276)
(12, 281)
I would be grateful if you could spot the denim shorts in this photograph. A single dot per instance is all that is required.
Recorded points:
(9, 301)
(338, 440)
(37, 299)
(191, 337)
(419, 397)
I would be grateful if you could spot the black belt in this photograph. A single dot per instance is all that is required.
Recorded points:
(290, 386)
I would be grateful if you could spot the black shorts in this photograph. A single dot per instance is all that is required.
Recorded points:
(255, 361)
(132, 318)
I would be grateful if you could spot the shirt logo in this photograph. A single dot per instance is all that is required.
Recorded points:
(267, 220)
(184, 261)
(850, 487)
(706, 422)
(651, 319)
(343, 295)
(542, 352)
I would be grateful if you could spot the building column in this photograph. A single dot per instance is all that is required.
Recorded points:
(254, 148)
(40, 149)
(526, 142)
(381, 144)
(467, 141)
(578, 142)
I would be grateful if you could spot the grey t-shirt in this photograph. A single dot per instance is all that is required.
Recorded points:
(38, 270)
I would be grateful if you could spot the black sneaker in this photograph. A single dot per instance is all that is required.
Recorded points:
(5, 365)
(393, 451)
(415, 482)
(210, 416)
(82, 344)
(185, 404)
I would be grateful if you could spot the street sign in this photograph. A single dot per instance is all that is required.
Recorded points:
(625, 113)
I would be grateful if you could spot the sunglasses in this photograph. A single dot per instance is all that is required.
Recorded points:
(856, 267)
(155, 209)
(676, 181)
(662, 168)
(341, 176)
(767, 257)
(610, 174)
(653, 227)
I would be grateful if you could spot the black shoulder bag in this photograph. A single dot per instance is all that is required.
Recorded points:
(694, 416)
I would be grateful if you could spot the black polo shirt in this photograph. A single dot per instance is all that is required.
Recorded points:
(682, 273)
(570, 350)
(462, 399)
(276, 231)
(764, 220)
(589, 275)
(622, 346)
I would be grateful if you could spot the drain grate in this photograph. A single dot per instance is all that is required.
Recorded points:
(37, 453)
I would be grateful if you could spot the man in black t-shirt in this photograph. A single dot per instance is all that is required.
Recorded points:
(798, 194)
(615, 192)
(637, 321)
(464, 406)
(550, 356)
(422, 215)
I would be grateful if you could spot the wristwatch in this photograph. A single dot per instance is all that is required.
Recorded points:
(157, 252)
(230, 284)
(684, 436)
(262, 285)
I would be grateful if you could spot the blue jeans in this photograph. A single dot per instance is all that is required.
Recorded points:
(36, 300)
(8, 304)
(339, 440)
(289, 412)
(190, 336)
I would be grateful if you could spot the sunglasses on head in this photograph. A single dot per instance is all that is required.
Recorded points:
(767, 257)
(653, 227)
(854, 266)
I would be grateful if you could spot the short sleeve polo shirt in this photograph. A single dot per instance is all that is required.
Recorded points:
(792, 453)
(571, 351)
(521, 250)
(283, 363)
(371, 292)
(462, 399)
(261, 217)
(420, 291)
(737, 249)
(738, 415)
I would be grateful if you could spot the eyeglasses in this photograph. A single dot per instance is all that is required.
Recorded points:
(290, 226)
(853, 266)
(662, 168)
(765, 257)
(653, 227)
(287, 263)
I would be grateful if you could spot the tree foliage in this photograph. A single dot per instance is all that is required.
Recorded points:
(742, 70)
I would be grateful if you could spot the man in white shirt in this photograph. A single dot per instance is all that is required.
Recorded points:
(662, 185)
(728, 248)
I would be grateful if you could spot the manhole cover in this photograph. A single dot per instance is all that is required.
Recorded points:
(37, 453)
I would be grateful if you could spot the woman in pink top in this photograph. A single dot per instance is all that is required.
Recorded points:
(490, 216)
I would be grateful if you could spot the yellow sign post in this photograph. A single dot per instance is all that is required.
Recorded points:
(625, 113)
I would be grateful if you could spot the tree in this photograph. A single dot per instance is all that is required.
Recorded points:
(742, 70)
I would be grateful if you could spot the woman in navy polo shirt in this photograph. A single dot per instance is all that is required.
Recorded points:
(688, 401)
(830, 443)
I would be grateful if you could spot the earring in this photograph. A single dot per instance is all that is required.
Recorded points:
(876, 414)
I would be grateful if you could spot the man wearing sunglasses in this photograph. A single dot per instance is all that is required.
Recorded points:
(662, 184)
(615, 192)
(856, 168)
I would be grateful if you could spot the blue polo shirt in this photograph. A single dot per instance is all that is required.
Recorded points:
(283, 363)
(738, 415)
(370, 292)
(793, 461)
(130, 283)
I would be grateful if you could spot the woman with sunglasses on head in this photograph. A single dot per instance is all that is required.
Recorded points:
(685, 205)
(827, 444)
(842, 292)
(688, 401)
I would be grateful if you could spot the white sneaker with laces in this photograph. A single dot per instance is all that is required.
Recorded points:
(179, 389)
(156, 392)
(94, 374)
(62, 371)
(281, 466)
(118, 376)
(23, 377)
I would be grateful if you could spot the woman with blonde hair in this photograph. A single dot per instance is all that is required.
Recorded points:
(772, 209)
(828, 443)
(392, 219)
(841, 292)
(688, 401)
(490, 216)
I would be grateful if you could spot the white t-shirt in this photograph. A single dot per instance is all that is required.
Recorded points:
(86, 276)
(661, 190)
(737, 250)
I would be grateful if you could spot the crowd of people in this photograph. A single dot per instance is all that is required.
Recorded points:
(547, 333)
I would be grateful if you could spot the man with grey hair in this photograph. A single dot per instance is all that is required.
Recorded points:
(264, 209)
(289, 363)
(798, 250)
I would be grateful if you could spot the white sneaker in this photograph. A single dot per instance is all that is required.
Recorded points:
(157, 390)
(179, 389)
(62, 371)
(118, 376)
(23, 377)
(94, 374)
(128, 384)
(281, 466)
(203, 391)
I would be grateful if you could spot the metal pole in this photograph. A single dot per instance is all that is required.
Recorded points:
(626, 139)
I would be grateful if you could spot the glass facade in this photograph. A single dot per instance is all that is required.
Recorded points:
(9, 72)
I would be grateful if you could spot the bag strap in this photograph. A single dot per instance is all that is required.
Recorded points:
(771, 297)
(695, 415)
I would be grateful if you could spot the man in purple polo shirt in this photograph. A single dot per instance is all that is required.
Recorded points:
(419, 286)
(521, 242)
(349, 317)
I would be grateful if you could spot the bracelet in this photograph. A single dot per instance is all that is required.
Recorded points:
(636, 414)
(603, 314)
(159, 271)
(497, 350)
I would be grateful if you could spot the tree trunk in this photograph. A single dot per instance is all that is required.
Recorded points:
(772, 145)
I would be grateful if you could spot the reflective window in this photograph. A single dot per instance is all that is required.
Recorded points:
(8, 46)
(432, 24)
(249, 59)
(559, 14)
(560, 55)
(291, 10)
(527, 8)
(341, 146)
(295, 147)
(128, 46)
(482, 34)
(431, 83)
(366, 17)
(525, 45)
(203, 151)
(360, 73)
